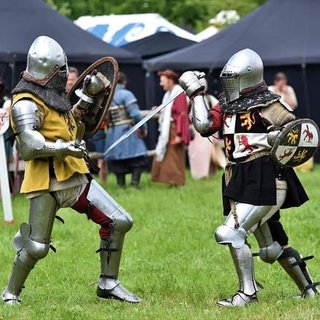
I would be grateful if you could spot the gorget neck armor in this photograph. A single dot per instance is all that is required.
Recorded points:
(52, 94)
(259, 97)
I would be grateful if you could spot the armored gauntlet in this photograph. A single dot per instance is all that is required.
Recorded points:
(94, 85)
(61, 149)
(193, 82)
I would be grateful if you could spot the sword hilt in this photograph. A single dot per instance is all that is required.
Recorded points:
(80, 133)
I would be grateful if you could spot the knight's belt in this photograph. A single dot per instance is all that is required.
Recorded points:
(250, 157)
(118, 123)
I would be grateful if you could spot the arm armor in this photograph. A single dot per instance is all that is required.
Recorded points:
(277, 114)
(201, 118)
(27, 119)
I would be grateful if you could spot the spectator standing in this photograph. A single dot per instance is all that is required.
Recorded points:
(169, 160)
(287, 93)
(280, 86)
(72, 78)
(130, 156)
(5, 103)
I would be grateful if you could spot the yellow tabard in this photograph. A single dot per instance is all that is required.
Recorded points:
(55, 126)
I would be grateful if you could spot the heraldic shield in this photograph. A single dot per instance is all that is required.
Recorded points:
(108, 66)
(296, 143)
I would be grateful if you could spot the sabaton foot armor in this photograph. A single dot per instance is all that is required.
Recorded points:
(239, 299)
(111, 288)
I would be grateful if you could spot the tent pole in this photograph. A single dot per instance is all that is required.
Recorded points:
(305, 88)
(12, 65)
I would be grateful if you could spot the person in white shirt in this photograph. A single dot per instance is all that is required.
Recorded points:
(281, 87)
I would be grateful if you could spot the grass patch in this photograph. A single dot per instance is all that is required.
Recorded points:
(170, 259)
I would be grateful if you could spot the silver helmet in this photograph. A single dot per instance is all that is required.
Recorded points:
(243, 70)
(46, 58)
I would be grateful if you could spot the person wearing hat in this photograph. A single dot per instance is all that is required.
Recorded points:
(169, 160)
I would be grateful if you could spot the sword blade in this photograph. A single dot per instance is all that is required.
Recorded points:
(141, 122)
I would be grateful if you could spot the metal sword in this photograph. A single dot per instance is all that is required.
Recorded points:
(142, 122)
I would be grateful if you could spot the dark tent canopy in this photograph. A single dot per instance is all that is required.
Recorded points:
(157, 44)
(284, 32)
(22, 21)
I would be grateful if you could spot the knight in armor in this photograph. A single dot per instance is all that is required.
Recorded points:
(46, 125)
(255, 187)
(131, 155)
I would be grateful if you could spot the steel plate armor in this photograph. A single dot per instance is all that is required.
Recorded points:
(45, 59)
(56, 175)
(250, 110)
(244, 70)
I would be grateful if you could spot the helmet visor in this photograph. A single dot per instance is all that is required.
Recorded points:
(230, 85)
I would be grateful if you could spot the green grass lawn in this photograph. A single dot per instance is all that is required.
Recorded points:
(170, 259)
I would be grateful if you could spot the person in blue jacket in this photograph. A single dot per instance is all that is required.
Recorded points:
(130, 156)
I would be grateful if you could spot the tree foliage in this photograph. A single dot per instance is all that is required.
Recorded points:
(191, 14)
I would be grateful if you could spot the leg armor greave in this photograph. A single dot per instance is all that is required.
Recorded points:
(110, 254)
(32, 243)
(249, 218)
(269, 250)
(296, 268)
(111, 248)
(243, 261)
